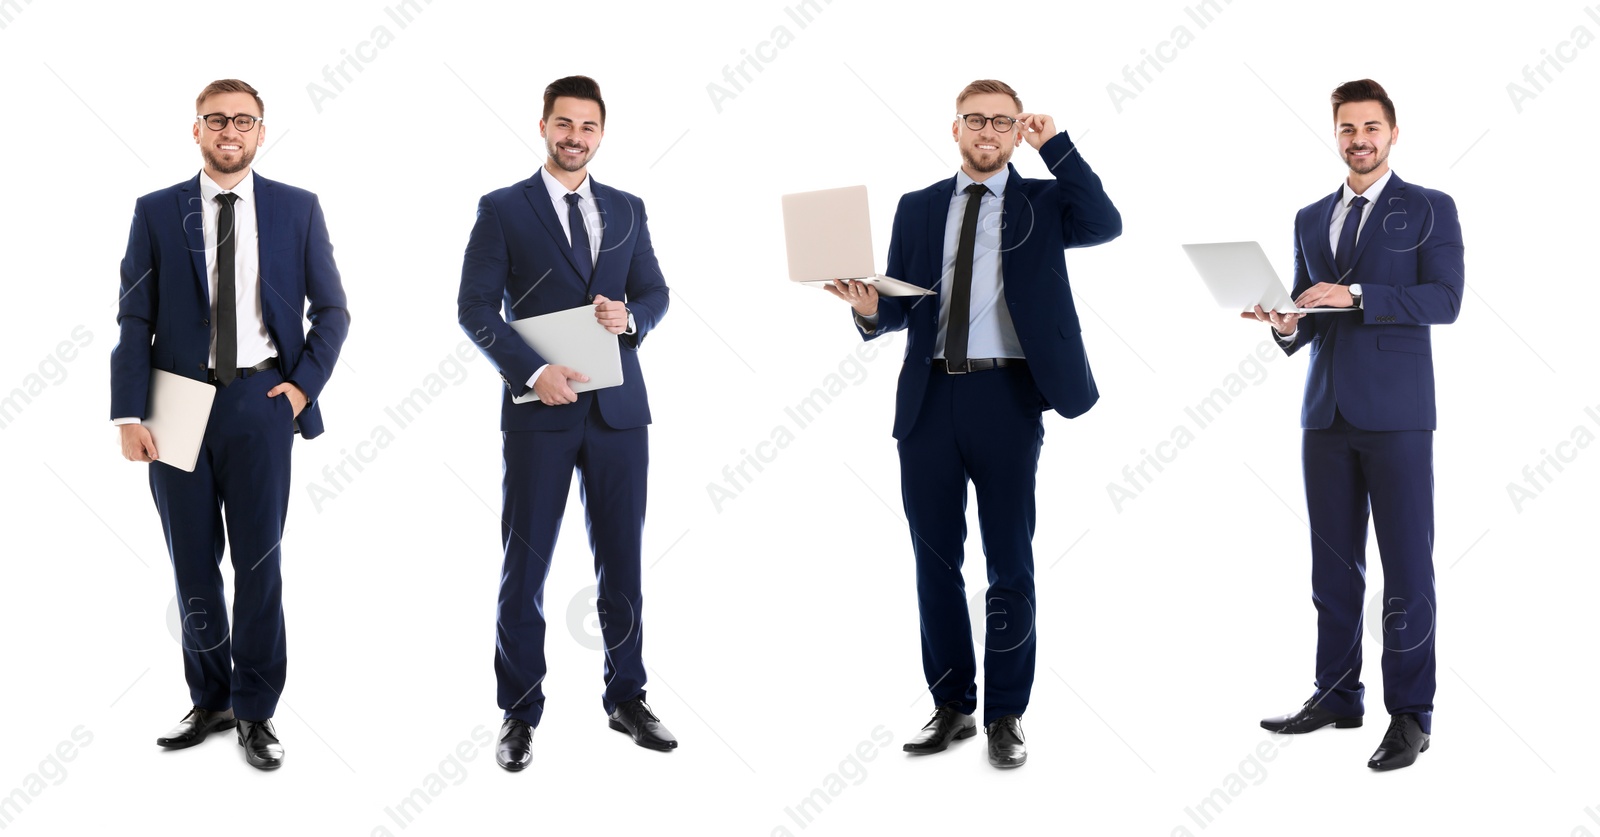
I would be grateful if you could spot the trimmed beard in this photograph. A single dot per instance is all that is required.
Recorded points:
(247, 155)
(1377, 159)
(1002, 156)
(562, 163)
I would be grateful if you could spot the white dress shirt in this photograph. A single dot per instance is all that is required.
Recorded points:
(593, 224)
(1336, 225)
(253, 344)
(1346, 195)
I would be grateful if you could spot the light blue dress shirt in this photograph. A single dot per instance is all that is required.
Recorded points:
(991, 333)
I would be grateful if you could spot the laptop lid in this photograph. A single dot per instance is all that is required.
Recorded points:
(828, 234)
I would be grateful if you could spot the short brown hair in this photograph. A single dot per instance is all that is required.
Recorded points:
(987, 85)
(1363, 90)
(229, 85)
(575, 87)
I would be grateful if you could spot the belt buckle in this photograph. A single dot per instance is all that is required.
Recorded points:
(950, 369)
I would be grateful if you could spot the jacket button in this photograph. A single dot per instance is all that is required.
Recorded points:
(200, 366)
(206, 321)
(927, 361)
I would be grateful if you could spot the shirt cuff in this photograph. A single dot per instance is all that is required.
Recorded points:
(122, 421)
(536, 374)
(631, 329)
(867, 323)
(1284, 339)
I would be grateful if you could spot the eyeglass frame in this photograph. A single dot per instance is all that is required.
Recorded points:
(987, 120)
(205, 119)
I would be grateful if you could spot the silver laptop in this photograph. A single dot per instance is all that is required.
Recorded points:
(178, 412)
(1240, 278)
(829, 236)
(573, 338)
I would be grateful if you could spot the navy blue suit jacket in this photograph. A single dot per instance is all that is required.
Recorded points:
(518, 260)
(1041, 219)
(165, 309)
(1376, 365)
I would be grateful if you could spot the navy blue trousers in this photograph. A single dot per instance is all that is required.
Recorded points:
(1348, 470)
(984, 427)
(237, 497)
(612, 466)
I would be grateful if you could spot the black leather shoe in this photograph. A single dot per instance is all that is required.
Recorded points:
(635, 718)
(946, 725)
(1309, 718)
(1401, 744)
(516, 745)
(195, 726)
(1005, 742)
(260, 743)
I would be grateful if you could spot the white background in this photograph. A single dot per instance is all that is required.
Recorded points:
(782, 627)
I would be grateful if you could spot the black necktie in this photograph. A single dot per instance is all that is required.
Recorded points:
(227, 315)
(1347, 238)
(955, 335)
(580, 236)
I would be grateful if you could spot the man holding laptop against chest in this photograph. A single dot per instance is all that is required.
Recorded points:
(220, 273)
(1392, 252)
(555, 242)
(995, 344)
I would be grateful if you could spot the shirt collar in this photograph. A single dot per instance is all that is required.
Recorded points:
(246, 188)
(1346, 194)
(559, 192)
(996, 182)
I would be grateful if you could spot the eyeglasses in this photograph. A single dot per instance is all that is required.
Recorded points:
(976, 121)
(217, 121)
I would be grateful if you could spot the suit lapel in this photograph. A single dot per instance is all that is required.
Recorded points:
(191, 209)
(1373, 228)
(539, 198)
(1320, 234)
(1014, 215)
(938, 217)
(602, 205)
(266, 229)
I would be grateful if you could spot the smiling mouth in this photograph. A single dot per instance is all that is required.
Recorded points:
(986, 147)
(229, 147)
(1360, 152)
(571, 150)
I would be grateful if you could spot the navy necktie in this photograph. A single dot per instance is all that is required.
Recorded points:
(1347, 238)
(960, 324)
(227, 313)
(580, 236)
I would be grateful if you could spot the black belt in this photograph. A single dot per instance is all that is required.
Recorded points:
(975, 364)
(246, 371)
